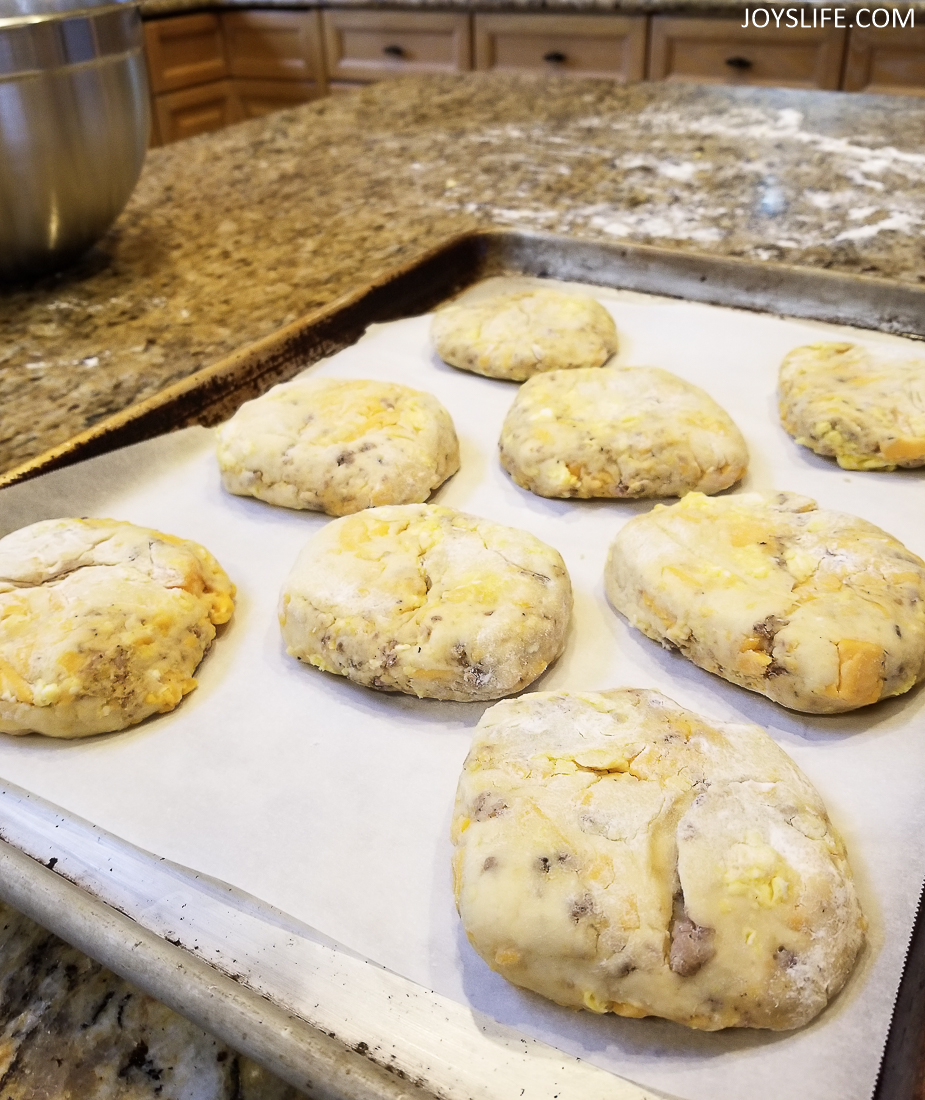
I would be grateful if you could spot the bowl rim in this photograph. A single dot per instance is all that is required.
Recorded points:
(89, 11)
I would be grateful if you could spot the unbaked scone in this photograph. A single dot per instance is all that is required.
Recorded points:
(102, 624)
(617, 853)
(338, 446)
(428, 601)
(865, 410)
(629, 432)
(524, 333)
(820, 611)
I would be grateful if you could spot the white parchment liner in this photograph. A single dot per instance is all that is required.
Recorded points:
(332, 802)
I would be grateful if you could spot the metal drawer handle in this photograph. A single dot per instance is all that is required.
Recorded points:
(738, 63)
(555, 56)
(394, 51)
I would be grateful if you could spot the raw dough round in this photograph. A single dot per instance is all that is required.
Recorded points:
(428, 601)
(866, 410)
(617, 853)
(338, 446)
(525, 333)
(630, 432)
(102, 624)
(820, 611)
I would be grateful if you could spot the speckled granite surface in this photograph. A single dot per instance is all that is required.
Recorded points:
(71, 1030)
(231, 235)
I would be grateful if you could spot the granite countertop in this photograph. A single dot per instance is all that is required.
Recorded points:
(233, 234)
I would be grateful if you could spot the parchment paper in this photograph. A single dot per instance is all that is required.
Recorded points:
(332, 802)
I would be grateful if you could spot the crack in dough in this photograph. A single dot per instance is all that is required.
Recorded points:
(428, 601)
(708, 888)
(102, 624)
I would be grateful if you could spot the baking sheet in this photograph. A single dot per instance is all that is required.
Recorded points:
(333, 803)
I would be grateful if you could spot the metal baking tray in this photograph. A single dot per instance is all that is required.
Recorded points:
(106, 898)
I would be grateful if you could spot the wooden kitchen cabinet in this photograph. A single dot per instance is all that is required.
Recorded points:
(721, 51)
(372, 45)
(274, 45)
(183, 51)
(886, 60)
(575, 45)
(263, 97)
(196, 110)
(208, 71)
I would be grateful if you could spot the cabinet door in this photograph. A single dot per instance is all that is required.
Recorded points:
(196, 110)
(262, 97)
(577, 45)
(370, 45)
(886, 60)
(274, 45)
(721, 51)
(183, 50)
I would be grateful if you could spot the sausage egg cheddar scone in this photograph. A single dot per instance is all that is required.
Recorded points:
(628, 432)
(524, 333)
(102, 624)
(338, 446)
(865, 410)
(428, 601)
(820, 611)
(617, 853)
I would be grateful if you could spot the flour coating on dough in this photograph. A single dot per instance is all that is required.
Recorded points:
(102, 624)
(524, 333)
(338, 446)
(428, 601)
(628, 432)
(820, 611)
(865, 410)
(616, 853)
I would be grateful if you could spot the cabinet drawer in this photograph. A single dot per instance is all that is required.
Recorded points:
(196, 110)
(577, 45)
(370, 45)
(262, 97)
(274, 45)
(722, 51)
(183, 50)
(886, 60)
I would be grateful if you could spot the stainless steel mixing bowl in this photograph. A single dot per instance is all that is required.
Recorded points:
(74, 120)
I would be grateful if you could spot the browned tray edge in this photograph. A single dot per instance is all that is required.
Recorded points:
(212, 394)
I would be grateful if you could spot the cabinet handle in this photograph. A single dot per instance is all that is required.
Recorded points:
(555, 56)
(393, 51)
(741, 63)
